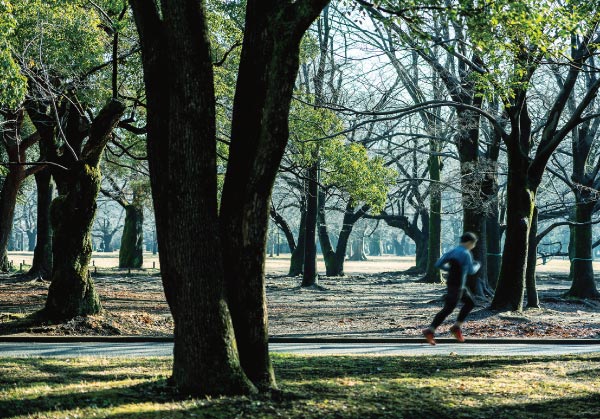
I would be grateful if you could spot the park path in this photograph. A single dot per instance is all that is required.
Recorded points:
(151, 349)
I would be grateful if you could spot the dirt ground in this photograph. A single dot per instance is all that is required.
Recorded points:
(374, 299)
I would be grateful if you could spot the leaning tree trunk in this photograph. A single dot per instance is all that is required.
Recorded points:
(326, 247)
(335, 264)
(71, 291)
(533, 300)
(12, 182)
(297, 258)
(583, 285)
(132, 240)
(41, 267)
(8, 201)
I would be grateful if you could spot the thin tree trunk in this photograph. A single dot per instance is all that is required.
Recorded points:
(323, 231)
(530, 280)
(309, 276)
(41, 266)
(12, 182)
(285, 227)
(132, 241)
(434, 241)
(297, 258)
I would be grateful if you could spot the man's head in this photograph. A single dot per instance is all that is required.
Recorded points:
(468, 240)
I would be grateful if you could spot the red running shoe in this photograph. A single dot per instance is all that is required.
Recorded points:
(429, 336)
(457, 333)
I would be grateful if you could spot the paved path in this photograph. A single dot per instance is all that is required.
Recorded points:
(135, 349)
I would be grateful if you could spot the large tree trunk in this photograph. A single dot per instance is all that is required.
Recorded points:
(400, 246)
(132, 240)
(520, 205)
(530, 280)
(31, 237)
(107, 241)
(71, 291)
(583, 285)
(182, 160)
(41, 266)
(268, 67)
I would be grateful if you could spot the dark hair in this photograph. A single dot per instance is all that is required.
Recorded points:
(468, 237)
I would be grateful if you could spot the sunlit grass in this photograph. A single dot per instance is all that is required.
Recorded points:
(312, 387)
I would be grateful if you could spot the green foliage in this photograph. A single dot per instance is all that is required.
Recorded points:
(59, 38)
(513, 38)
(349, 168)
(12, 83)
(345, 166)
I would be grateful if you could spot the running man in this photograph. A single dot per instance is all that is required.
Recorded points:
(458, 262)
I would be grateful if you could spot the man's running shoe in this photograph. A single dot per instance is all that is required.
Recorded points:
(429, 336)
(457, 333)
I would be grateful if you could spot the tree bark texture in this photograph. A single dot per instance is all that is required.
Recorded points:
(334, 260)
(71, 291)
(267, 73)
(41, 266)
(182, 158)
(520, 204)
(11, 133)
(132, 240)
(583, 285)
(434, 242)
(309, 275)
(533, 300)
(297, 259)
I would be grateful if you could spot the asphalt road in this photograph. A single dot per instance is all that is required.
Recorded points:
(151, 349)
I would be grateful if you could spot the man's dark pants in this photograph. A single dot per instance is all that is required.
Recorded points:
(455, 294)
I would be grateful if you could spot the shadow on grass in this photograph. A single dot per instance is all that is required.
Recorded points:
(58, 372)
(314, 387)
(334, 367)
(156, 391)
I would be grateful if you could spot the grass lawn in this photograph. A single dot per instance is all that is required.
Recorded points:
(312, 387)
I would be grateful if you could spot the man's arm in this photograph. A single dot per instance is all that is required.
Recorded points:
(472, 267)
(442, 263)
